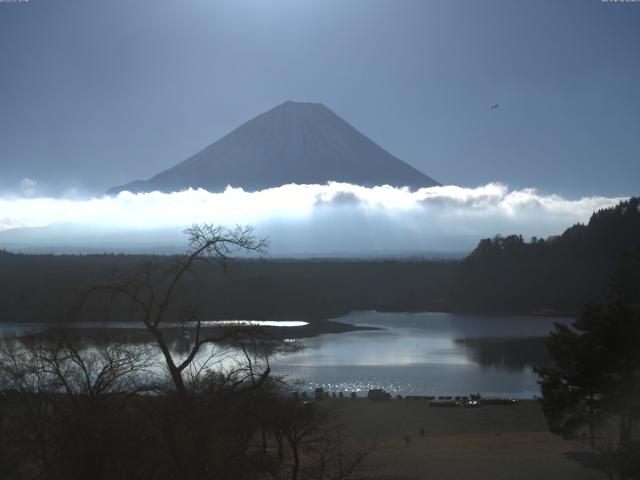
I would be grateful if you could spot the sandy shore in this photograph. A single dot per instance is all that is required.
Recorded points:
(490, 442)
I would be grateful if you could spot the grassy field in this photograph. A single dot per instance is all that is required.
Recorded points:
(490, 442)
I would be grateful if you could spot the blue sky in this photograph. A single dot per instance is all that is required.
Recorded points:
(95, 93)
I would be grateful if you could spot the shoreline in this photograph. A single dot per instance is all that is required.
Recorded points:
(136, 330)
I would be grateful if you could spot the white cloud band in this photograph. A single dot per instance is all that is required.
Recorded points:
(336, 218)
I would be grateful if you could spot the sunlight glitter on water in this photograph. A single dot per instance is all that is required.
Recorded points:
(259, 323)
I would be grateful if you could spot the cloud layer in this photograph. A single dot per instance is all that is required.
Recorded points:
(332, 219)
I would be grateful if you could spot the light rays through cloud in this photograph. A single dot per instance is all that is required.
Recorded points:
(331, 219)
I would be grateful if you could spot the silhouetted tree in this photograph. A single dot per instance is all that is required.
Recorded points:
(595, 377)
(76, 407)
(556, 275)
(66, 406)
(153, 298)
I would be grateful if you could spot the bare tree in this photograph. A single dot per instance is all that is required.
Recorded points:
(318, 447)
(66, 403)
(300, 424)
(153, 296)
(81, 412)
(210, 424)
(334, 456)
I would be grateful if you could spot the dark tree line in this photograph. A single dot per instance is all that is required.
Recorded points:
(45, 287)
(554, 275)
(593, 387)
(507, 274)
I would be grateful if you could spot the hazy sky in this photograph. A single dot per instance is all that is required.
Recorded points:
(96, 93)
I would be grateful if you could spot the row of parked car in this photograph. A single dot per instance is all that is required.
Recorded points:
(472, 402)
(468, 401)
(377, 394)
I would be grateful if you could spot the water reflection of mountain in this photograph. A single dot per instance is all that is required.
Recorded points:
(508, 353)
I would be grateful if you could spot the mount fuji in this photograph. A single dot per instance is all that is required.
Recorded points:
(303, 143)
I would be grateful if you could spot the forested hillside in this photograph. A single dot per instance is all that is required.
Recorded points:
(558, 274)
(504, 274)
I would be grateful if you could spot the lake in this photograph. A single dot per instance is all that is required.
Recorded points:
(412, 354)
(426, 354)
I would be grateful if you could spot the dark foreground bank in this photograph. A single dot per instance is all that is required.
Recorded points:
(492, 441)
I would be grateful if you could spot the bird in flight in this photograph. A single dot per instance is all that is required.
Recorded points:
(493, 107)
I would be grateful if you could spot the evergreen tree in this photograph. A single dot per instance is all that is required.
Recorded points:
(595, 377)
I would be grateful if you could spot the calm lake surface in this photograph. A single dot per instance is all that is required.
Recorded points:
(426, 354)
(412, 353)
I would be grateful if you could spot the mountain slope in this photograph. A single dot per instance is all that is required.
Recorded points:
(304, 143)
